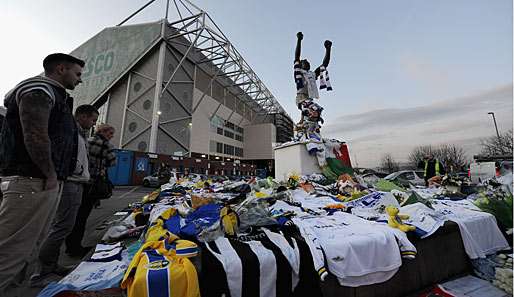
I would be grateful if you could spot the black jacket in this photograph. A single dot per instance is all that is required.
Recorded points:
(62, 131)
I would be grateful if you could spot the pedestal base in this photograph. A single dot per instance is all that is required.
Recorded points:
(294, 158)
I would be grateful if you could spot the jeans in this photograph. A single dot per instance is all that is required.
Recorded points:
(62, 225)
(74, 239)
(26, 213)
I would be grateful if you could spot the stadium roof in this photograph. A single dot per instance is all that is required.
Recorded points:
(196, 35)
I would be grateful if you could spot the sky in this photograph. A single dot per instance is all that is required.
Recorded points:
(404, 72)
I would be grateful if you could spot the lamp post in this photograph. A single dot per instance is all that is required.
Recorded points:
(495, 126)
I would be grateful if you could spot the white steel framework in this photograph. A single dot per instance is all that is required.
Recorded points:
(197, 34)
(205, 37)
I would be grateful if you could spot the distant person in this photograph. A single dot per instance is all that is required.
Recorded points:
(163, 173)
(432, 167)
(270, 171)
(101, 157)
(86, 116)
(37, 153)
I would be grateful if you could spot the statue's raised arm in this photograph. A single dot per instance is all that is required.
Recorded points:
(326, 59)
(299, 37)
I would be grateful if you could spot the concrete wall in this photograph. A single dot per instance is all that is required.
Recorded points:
(258, 141)
(176, 105)
(109, 54)
(136, 133)
(201, 133)
(201, 124)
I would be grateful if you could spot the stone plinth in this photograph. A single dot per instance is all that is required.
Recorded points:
(294, 158)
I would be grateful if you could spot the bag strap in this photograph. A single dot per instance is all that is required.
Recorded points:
(100, 160)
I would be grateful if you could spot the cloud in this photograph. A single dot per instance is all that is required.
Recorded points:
(463, 126)
(495, 100)
(367, 138)
(423, 70)
(462, 121)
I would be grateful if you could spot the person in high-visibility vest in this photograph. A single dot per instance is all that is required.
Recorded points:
(432, 168)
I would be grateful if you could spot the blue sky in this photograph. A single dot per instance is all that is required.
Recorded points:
(398, 54)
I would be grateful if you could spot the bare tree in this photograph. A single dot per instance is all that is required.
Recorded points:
(453, 157)
(388, 164)
(497, 146)
(417, 155)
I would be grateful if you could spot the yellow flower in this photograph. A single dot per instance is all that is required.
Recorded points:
(294, 176)
(260, 195)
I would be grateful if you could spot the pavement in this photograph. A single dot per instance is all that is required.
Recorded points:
(98, 222)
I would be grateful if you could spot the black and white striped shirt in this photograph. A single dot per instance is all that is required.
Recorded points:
(268, 265)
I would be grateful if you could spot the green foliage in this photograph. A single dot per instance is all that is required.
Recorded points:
(415, 198)
(386, 186)
(358, 194)
(498, 204)
(329, 174)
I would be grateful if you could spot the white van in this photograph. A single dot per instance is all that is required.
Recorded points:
(480, 171)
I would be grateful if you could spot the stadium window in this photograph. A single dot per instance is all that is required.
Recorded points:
(219, 147)
(228, 150)
(239, 151)
(229, 125)
(219, 131)
(239, 137)
(229, 134)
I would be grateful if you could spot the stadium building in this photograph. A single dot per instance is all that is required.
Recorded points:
(179, 92)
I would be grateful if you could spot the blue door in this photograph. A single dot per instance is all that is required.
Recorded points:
(121, 173)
